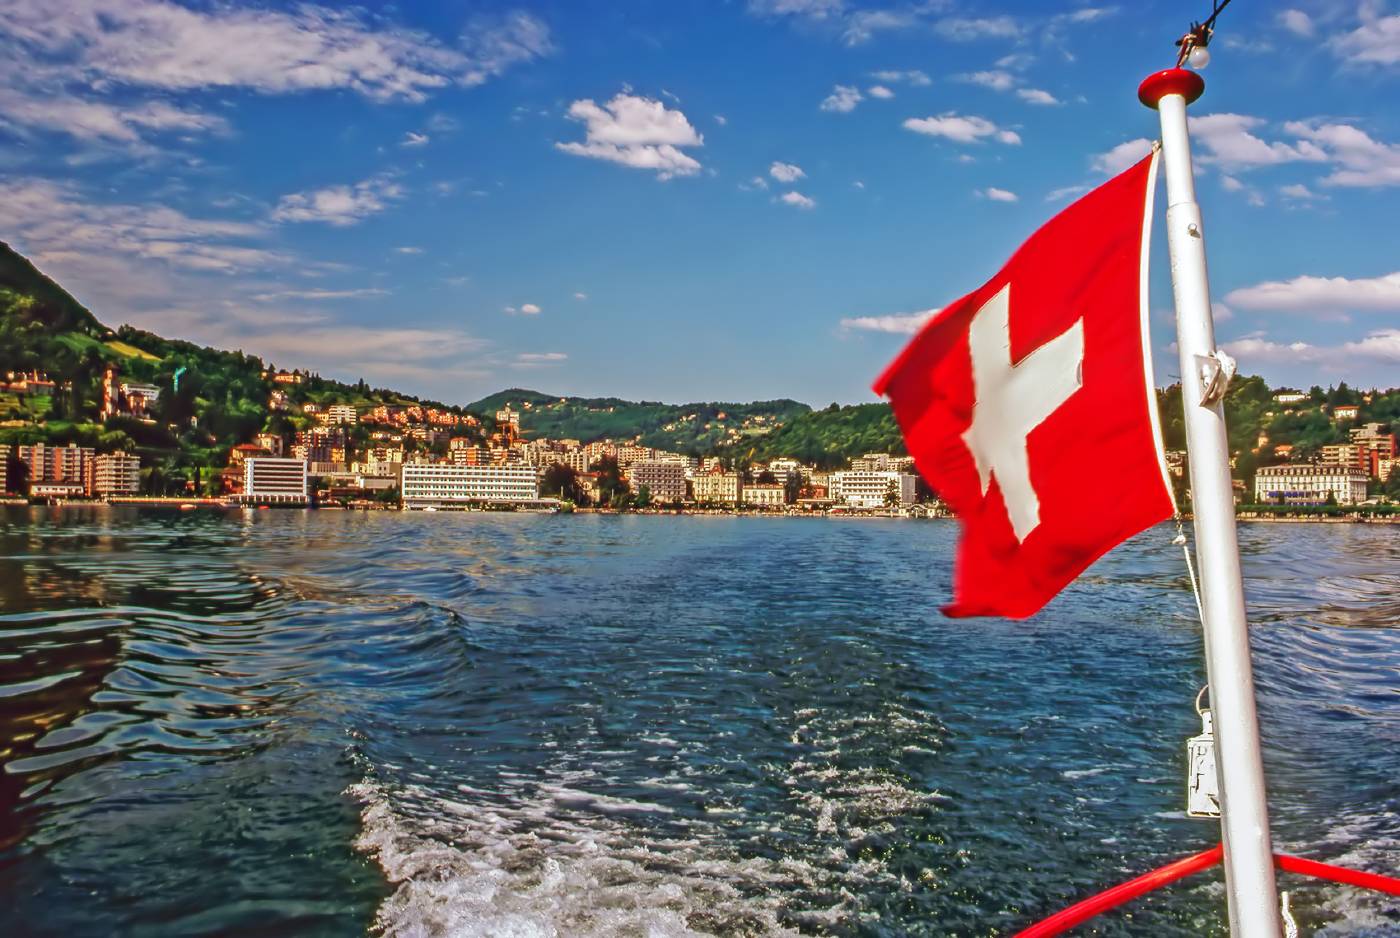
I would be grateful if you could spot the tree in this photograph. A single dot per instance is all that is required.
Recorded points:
(561, 481)
(612, 490)
(892, 499)
(17, 474)
(643, 498)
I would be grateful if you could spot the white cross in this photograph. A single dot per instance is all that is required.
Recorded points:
(1010, 400)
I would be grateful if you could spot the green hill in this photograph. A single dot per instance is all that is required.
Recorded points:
(691, 428)
(222, 398)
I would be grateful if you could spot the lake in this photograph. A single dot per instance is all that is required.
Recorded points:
(331, 723)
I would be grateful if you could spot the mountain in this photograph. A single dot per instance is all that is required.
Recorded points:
(690, 428)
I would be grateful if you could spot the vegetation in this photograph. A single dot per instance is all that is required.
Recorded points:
(221, 398)
(831, 437)
(696, 429)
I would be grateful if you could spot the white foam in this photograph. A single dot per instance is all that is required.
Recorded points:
(551, 862)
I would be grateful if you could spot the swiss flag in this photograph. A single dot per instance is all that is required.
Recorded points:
(1028, 404)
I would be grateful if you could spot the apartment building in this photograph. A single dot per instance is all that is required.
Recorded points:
(765, 496)
(116, 474)
(425, 485)
(274, 480)
(664, 480)
(718, 487)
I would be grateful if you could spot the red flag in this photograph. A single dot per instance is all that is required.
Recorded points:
(1028, 404)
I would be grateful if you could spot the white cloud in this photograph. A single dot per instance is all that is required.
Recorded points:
(798, 199)
(786, 172)
(1227, 140)
(101, 121)
(816, 9)
(529, 309)
(339, 206)
(757, 182)
(996, 80)
(858, 184)
(538, 359)
(997, 195)
(1122, 156)
(879, 91)
(1065, 192)
(1358, 160)
(961, 129)
(412, 139)
(896, 323)
(1230, 184)
(843, 99)
(1297, 191)
(54, 222)
(912, 76)
(1375, 42)
(1309, 294)
(63, 65)
(580, 295)
(1382, 345)
(1297, 22)
(319, 295)
(721, 120)
(1036, 96)
(863, 25)
(968, 29)
(636, 131)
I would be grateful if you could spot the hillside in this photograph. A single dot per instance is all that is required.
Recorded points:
(690, 428)
(222, 397)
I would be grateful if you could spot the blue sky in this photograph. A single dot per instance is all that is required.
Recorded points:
(676, 200)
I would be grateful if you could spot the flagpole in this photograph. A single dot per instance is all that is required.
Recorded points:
(1244, 811)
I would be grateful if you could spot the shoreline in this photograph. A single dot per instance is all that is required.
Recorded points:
(188, 504)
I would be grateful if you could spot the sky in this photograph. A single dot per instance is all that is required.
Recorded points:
(678, 200)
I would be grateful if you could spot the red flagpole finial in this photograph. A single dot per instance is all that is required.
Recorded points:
(1180, 81)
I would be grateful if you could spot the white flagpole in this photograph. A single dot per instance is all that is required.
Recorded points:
(1244, 812)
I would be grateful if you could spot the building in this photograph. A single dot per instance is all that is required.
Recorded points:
(1309, 485)
(66, 465)
(882, 462)
(274, 480)
(664, 480)
(272, 442)
(139, 398)
(1290, 397)
(426, 485)
(1346, 412)
(340, 413)
(765, 496)
(116, 474)
(857, 488)
(718, 487)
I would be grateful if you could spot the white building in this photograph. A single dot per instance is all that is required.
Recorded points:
(1309, 485)
(765, 496)
(719, 487)
(341, 413)
(1290, 397)
(274, 480)
(863, 488)
(426, 485)
(117, 474)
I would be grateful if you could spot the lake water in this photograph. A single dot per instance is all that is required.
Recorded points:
(330, 723)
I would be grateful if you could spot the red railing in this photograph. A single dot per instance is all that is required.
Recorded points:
(1081, 912)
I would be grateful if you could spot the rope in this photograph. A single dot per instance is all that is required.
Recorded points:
(1096, 905)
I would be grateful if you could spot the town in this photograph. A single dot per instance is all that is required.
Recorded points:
(336, 453)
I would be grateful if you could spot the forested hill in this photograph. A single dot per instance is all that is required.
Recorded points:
(691, 428)
(222, 398)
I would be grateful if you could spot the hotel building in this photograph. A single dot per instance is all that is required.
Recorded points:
(1309, 485)
(863, 488)
(435, 485)
(664, 480)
